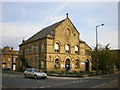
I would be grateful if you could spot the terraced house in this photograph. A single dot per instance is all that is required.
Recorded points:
(57, 47)
(9, 58)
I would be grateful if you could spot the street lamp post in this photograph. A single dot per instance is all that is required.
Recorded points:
(97, 35)
(97, 47)
(12, 58)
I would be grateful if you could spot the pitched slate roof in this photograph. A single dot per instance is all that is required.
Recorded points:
(81, 41)
(43, 33)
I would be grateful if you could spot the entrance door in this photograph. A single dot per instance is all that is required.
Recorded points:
(14, 67)
(87, 65)
(67, 64)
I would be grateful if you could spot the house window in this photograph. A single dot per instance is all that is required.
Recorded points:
(42, 64)
(37, 49)
(3, 65)
(14, 66)
(32, 50)
(57, 64)
(8, 59)
(14, 59)
(76, 49)
(77, 63)
(9, 65)
(27, 51)
(56, 48)
(67, 48)
(17, 53)
(42, 47)
(3, 61)
(86, 52)
(52, 32)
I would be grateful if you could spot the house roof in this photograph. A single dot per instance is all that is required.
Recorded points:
(81, 41)
(43, 33)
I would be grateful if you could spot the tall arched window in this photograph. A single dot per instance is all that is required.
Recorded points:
(37, 49)
(76, 49)
(32, 49)
(42, 47)
(67, 48)
(57, 64)
(77, 63)
(56, 48)
(42, 64)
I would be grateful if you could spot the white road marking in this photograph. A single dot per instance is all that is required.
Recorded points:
(99, 78)
(38, 81)
(69, 82)
(64, 83)
(5, 74)
(99, 85)
(48, 86)
(114, 81)
(104, 84)
(74, 81)
(42, 87)
(3, 86)
(80, 81)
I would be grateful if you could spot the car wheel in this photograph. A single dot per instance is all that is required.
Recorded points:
(35, 76)
(25, 75)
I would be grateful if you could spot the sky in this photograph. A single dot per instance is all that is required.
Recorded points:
(24, 19)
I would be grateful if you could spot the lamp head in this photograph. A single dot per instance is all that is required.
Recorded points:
(102, 24)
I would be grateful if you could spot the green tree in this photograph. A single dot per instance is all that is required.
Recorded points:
(102, 59)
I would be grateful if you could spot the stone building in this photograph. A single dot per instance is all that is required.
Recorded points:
(57, 47)
(9, 57)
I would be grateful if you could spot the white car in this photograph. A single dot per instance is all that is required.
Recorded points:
(34, 72)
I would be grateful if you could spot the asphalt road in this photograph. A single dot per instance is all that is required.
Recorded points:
(16, 80)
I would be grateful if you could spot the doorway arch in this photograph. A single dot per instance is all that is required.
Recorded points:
(67, 64)
(87, 65)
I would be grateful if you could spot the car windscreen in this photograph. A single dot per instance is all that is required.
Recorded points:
(36, 70)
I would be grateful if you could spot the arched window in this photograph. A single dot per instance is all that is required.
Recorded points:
(67, 48)
(42, 64)
(28, 50)
(57, 64)
(32, 49)
(37, 49)
(77, 63)
(42, 47)
(56, 48)
(76, 49)
(25, 51)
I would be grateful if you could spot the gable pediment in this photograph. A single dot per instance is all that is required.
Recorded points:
(70, 25)
(67, 29)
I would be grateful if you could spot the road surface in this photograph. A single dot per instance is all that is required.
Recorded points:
(16, 80)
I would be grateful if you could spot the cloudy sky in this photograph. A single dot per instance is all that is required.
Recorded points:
(24, 19)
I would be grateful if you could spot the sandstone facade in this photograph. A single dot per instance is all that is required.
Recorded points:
(57, 47)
